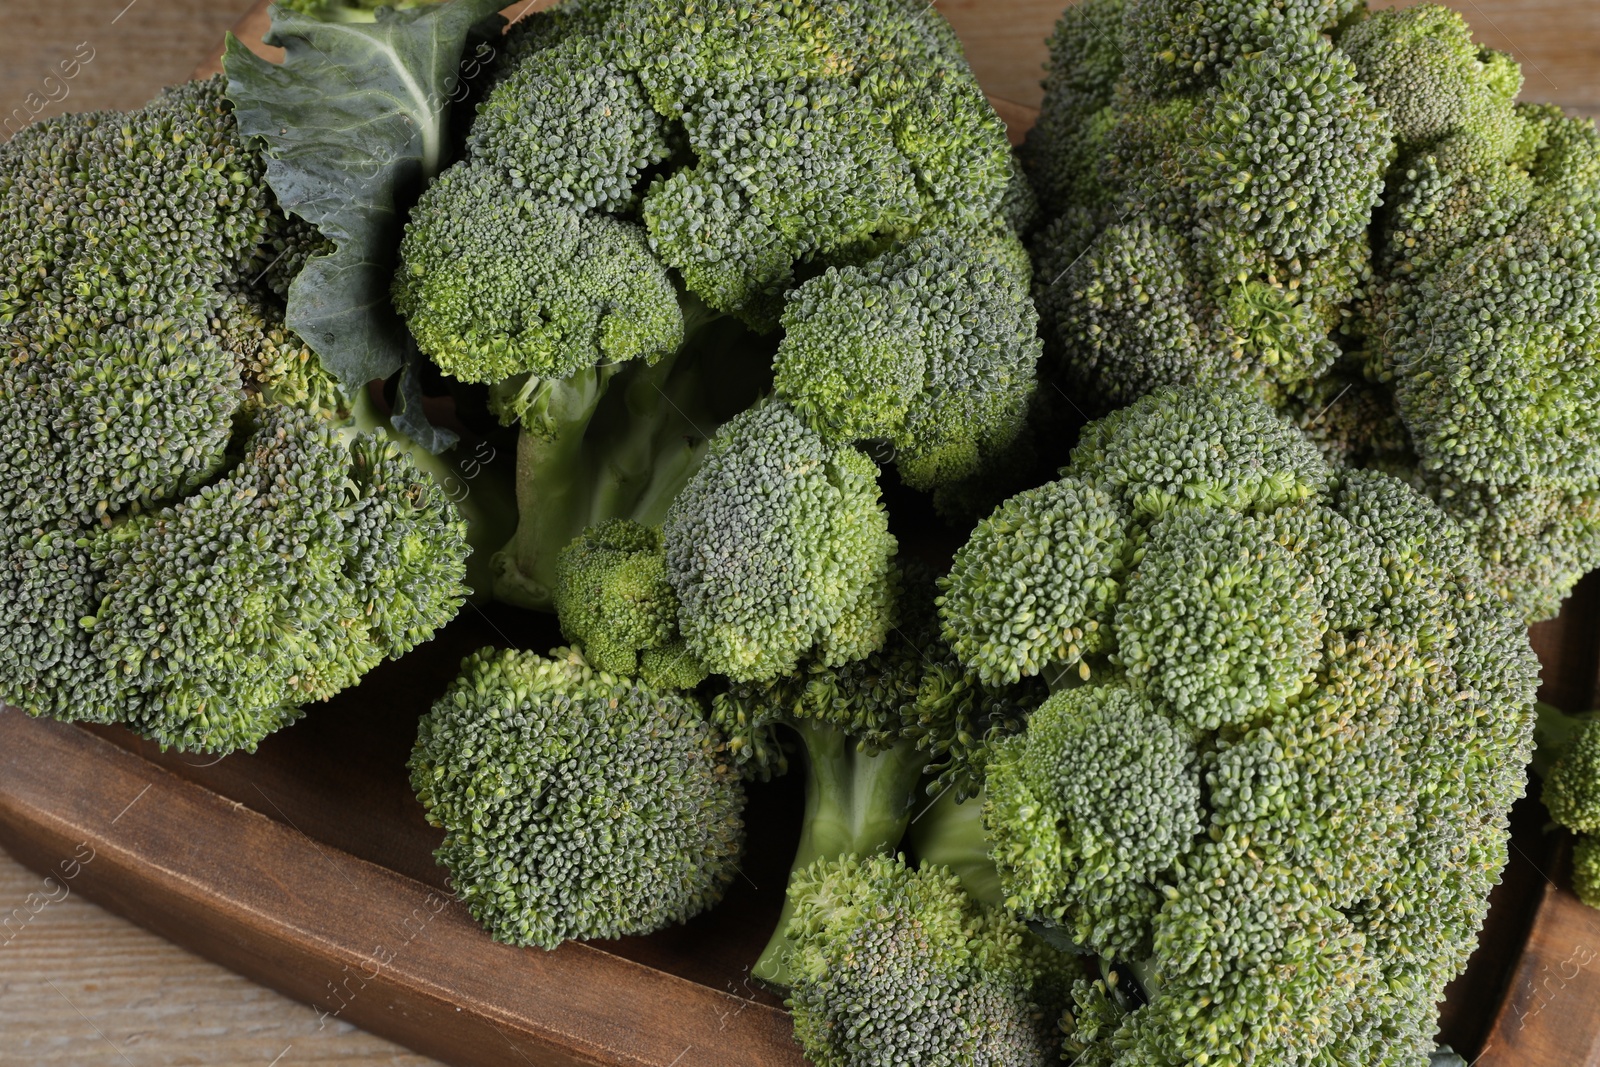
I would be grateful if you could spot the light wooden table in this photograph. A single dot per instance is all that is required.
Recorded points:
(79, 986)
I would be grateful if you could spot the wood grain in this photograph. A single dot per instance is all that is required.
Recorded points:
(356, 941)
(1549, 1017)
(1551, 1012)
(134, 49)
(78, 986)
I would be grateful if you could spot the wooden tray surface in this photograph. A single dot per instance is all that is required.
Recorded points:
(307, 866)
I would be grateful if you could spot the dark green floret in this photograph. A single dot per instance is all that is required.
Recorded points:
(779, 548)
(930, 347)
(1173, 45)
(1270, 788)
(1348, 211)
(1213, 235)
(200, 534)
(643, 199)
(576, 804)
(319, 556)
(1568, 760)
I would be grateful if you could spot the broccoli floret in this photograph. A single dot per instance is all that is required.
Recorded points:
(783, 172)
(195, 541)
(576, 804)
(1223, 231)
(1124, 310)
(486, 310)
(1586, 870)
(1498, 411)
(318, 558)
(646, 187)
(613, 598)
(1422, 68)
(1216, 190)
(895, 965)
(1173, 45)
(1085, 64)
(779, 547)
(1270, 789)
(930, 347)
(571, 127)
(1568, 760)
(1098, 802)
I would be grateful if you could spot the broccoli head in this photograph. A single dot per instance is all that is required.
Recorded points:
(779, 548)
(613, 599)
(1568, 760)
(576, 804)
(1214, 173)
(930, 347)
(644, 194)
(1217, 234)
(1586, 870)
(1116, 784)
(1270, 787)
(1481, 328)
(319, 557)
(196, 539)
(486, 310)
(1569, 763)
(896, 965)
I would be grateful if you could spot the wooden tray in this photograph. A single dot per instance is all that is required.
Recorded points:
(307, 866)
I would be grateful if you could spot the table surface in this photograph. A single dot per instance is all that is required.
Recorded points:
(77, 984)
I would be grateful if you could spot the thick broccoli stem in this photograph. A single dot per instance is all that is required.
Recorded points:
(949, 833)
(856, 804)
(478, 489)
(552, 486)
(619, 442)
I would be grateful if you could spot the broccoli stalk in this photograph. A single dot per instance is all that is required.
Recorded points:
(469, 478)
(949, 833)
(616, 441)
(858, 803)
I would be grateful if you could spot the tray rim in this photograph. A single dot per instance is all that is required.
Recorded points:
(404, 1003)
